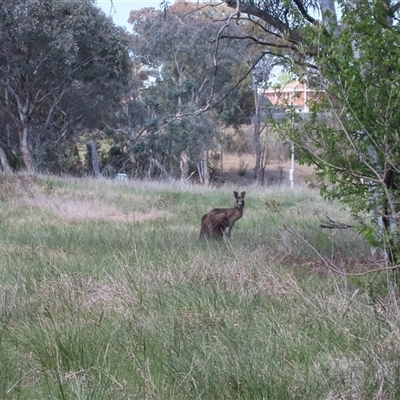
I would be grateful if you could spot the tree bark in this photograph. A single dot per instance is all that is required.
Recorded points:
(184, 165)
(25, 110)
(25, 150)
(93, 159)
(202, 168)
(4, 162)
(329, 15)
(257, 129)
(257, 142)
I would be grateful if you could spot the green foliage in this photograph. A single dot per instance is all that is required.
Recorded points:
(58, 158)
(178, 49)
(352, 135)
(283, 79)
(66, 62)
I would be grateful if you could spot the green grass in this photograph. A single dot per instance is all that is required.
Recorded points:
(106, 292)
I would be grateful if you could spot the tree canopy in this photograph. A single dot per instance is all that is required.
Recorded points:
(187, 72)
(60, 63)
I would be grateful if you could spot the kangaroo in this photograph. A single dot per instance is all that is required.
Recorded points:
(215, 222)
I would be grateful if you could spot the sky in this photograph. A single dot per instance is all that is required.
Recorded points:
(119, 9)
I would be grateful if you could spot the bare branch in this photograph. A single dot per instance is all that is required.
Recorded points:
(330, 224)
(327, 263)
(287, 45)
(395, 7)
(304, 12)
(252, 9)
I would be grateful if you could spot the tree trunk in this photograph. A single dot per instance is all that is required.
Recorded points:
(202, 168)
(24, 146)
(93, 159)
(184, 165)
(206, 170)
(257, 145)
(263, 161)
(222, 159)
(257, 132)
(25, 110)
(329, 14)
(4, 162)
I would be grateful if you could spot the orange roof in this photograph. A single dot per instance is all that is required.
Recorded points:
(294, 86)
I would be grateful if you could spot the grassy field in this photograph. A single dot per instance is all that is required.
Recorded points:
(106, 292)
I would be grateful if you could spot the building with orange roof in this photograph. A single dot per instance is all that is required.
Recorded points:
(294, 94)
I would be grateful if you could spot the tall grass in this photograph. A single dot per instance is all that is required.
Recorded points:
(106, 292)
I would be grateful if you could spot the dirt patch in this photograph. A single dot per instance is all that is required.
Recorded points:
(75, 211)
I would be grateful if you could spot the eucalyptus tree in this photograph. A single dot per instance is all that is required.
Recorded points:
(127, 127)
(347, 51)
(191, 72)
(60, 63)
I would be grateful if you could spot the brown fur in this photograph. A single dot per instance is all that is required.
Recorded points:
(215, 222)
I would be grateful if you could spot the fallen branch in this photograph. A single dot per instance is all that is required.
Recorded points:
(330, 224)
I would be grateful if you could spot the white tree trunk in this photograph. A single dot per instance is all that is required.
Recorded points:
(184, 166)
(24, 147)
(329, 14)
(257, 132)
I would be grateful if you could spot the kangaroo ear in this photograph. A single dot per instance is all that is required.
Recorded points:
(243, 194)
(235, 194)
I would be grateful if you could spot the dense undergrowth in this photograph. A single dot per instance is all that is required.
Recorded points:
(106, 292)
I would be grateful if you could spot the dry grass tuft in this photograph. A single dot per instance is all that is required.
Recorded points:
(86, 294)
(75, 211)
(240, 275)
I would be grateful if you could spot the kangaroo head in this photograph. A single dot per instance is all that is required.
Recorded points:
(239, 199)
